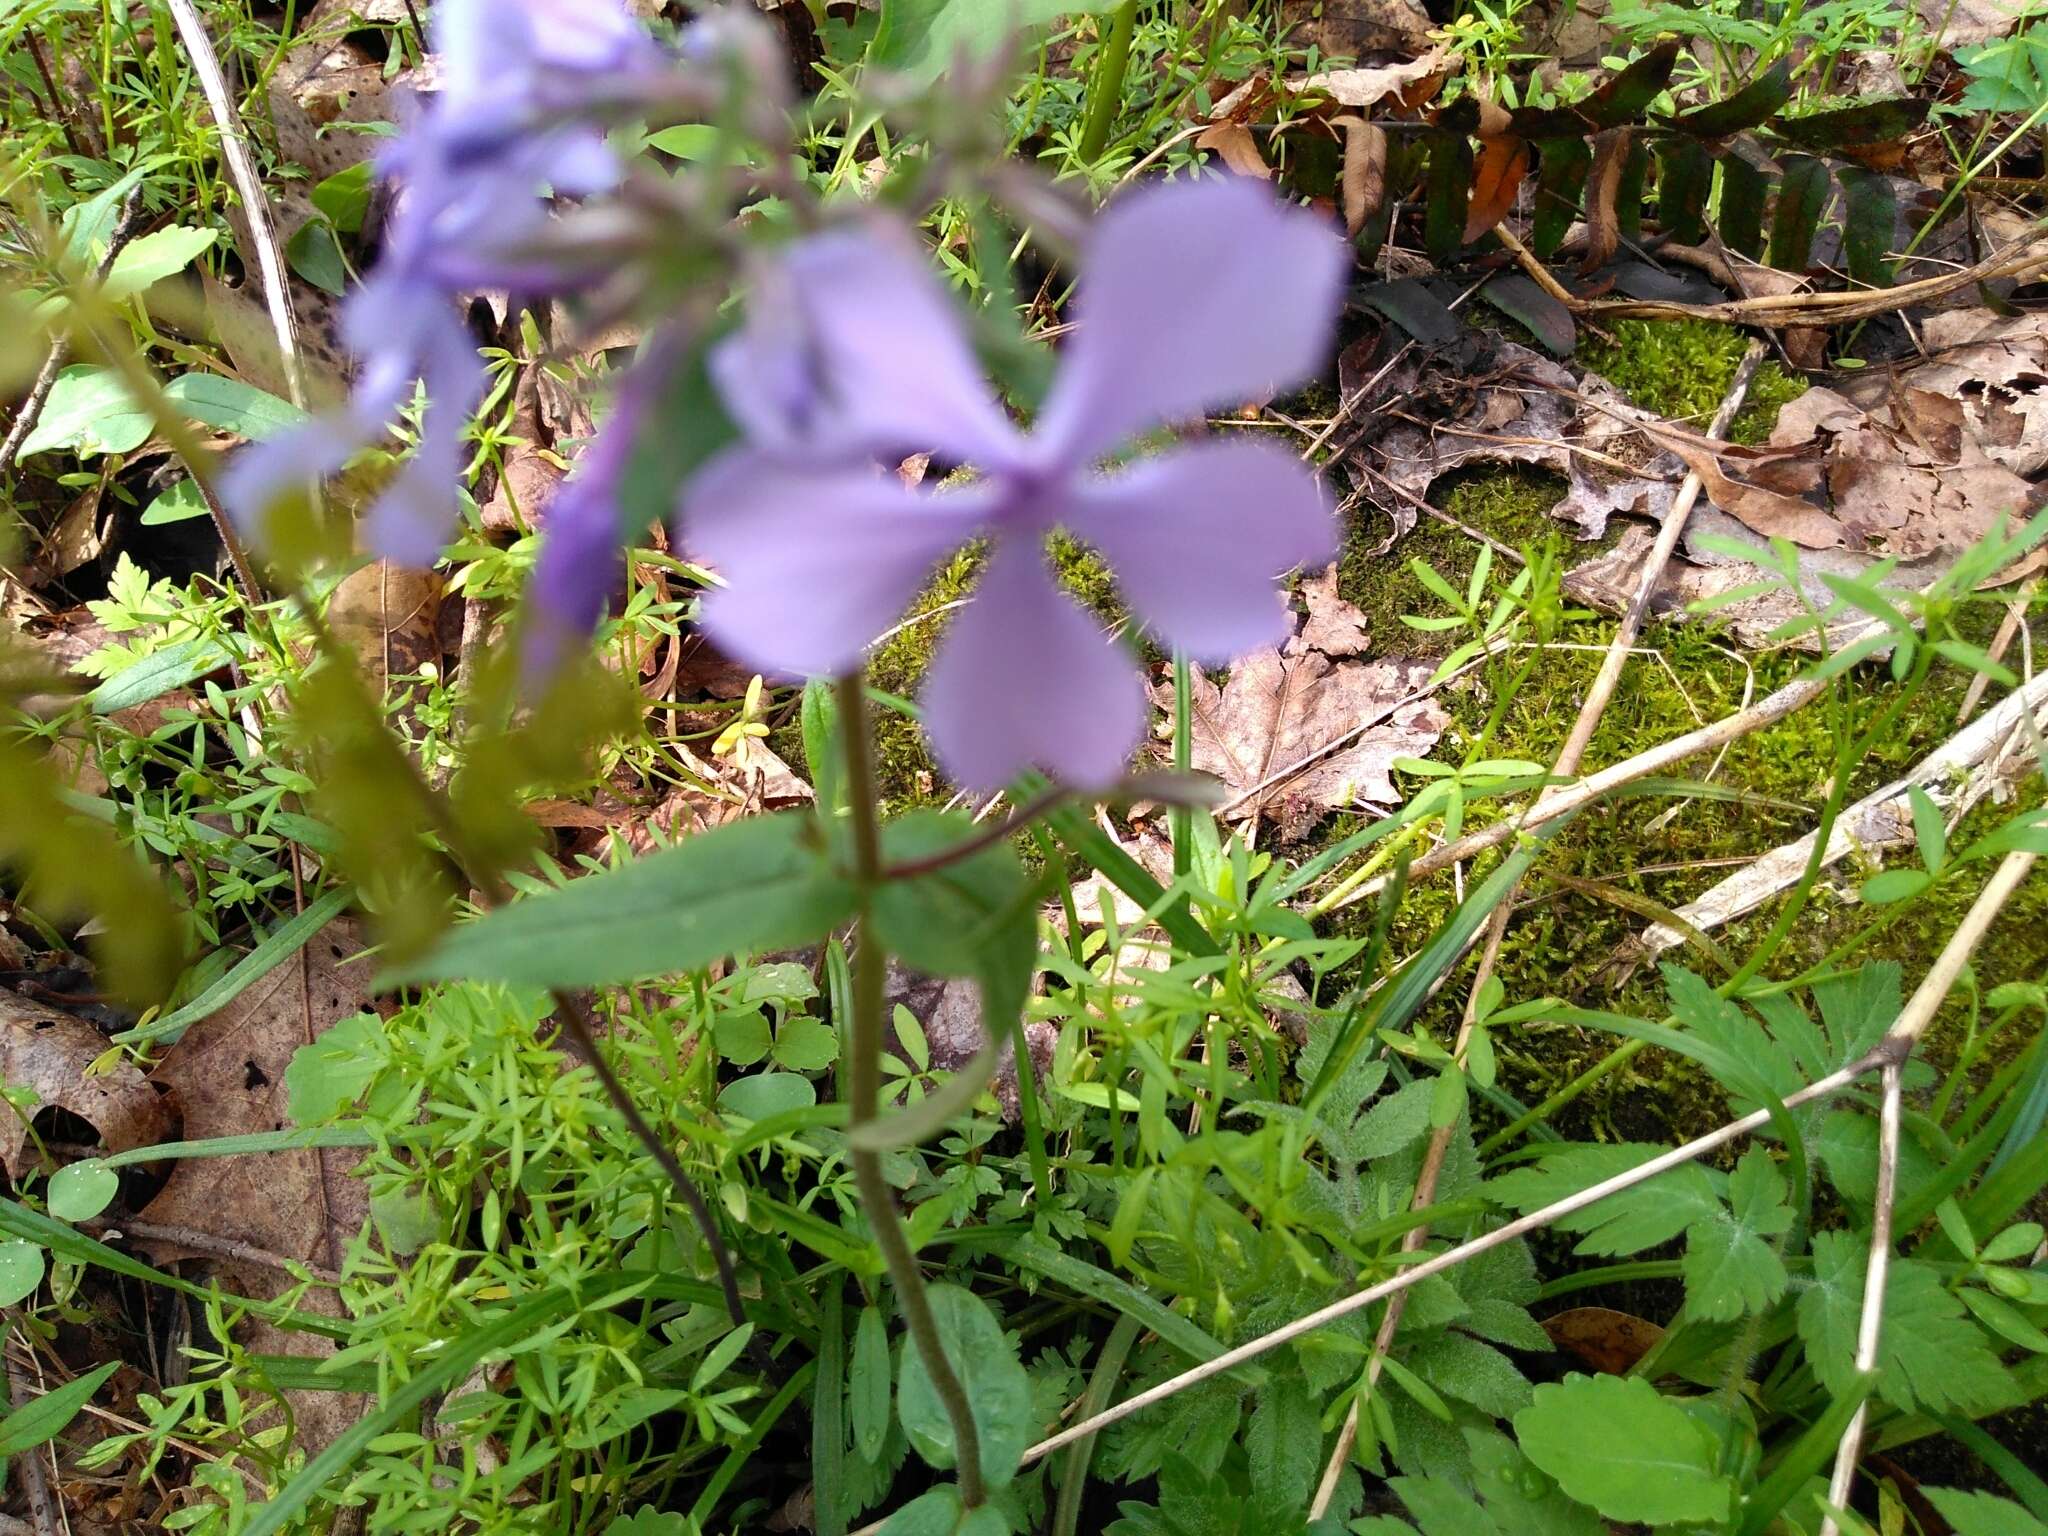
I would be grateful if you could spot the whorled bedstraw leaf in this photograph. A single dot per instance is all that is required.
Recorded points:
(1613, 1442)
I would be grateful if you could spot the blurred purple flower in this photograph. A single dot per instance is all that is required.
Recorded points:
(1195, 294)
(525, 87)
(581, 557)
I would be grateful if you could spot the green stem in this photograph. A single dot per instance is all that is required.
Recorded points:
(1106, 86)
(864, 1049)
(1183, 817)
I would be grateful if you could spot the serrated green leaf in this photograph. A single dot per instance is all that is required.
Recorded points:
(868, 1386)
(1561, 167)
(1612, 1442)
(1685, 174)
(1448, 197)
(1932, 1358)
(1744, 192)
(1975, 1513)
(1284, 1442)
(1871, 213)
(1522, 1500)
(1650, 1213)
(1730, 1270)
(1748, 107)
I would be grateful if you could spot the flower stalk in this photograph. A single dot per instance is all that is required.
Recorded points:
(1106, 85)
(864, 1050)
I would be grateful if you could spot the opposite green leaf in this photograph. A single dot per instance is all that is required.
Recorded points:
(995, 1382)
(756, 884)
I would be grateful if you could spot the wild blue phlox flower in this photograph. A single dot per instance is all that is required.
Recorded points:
(1193, 295)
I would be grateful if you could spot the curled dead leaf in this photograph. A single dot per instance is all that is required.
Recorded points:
(51, 1053)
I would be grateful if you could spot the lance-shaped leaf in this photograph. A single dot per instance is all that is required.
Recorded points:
(1685, 172)
(1744, 191)
(1802, 196)
(1628, 198)
(1450, 183)
(1869, 222)
(1624, 98)
(1603, 193)
(1858, 127)
(755, 884)
(1748, 107)
(1561, 167)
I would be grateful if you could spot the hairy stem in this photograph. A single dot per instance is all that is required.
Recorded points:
(864, 1048)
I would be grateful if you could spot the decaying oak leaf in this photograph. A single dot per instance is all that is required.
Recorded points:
(1610, 1342)
(1354, 28)
(1235, 146)
(1412, 83)
(389, 615)
(1984, 386)
(1515, 406)
(1334, 625)
(750, 780)
(228, 1072)
(49, 1052)
(1276, 711)
(317, 93)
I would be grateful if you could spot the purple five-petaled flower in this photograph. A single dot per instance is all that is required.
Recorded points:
(1194, 295)
(523, 84)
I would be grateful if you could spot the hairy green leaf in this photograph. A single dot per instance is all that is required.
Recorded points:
(1614, 1443)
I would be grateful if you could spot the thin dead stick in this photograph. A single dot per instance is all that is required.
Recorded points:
(1569, 756)
(2015, 611)
(1664, 1162)
(1767, 711)
(28, 1467)
(241, 168)
(2019, 259)
(204, 1242)
(1912, 1024)
(1883, 818)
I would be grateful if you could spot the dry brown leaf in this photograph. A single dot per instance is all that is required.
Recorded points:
(50, 1051)
(532, 469)
(1513, 406)
(1363, 186)
(1370, 87)
(753, 779)
(1335, 625)
(1961, 22)
(390, 616)
(1354, 28)
(1276, 710)
(1610, 1342)
(1235, 146)
(1497, 176)
(228, 1073)
(1603, 186)
(316, 91)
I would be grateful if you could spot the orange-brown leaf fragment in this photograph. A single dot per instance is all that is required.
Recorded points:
(1496, 178)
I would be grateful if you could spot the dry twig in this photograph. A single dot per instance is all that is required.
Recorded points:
(1569, 756)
